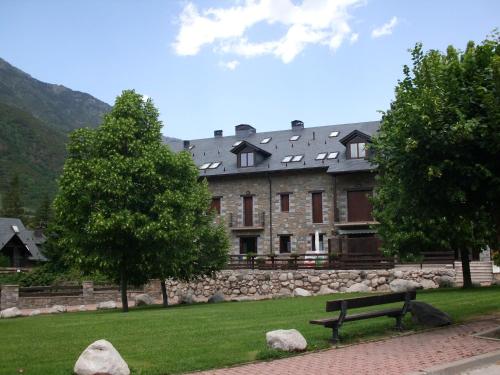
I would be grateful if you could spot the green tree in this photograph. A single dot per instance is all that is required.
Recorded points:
(194, 244)
(43, 214)
(11, 201)
(438, 153)
(115, 210)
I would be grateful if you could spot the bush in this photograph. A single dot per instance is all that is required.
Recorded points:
(4, 261)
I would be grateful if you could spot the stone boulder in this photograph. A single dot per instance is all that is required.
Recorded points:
(188, 299)
(57, 309)
(359, 287)
(299, 292)
(324, 289)
(289, 340)
(108, 305)
(11, 312)
(144, 299)
(401, 285)
(428, 284)
(445, 281)
(217, 297)
(101, 357)
(35, 312)
(427, 315)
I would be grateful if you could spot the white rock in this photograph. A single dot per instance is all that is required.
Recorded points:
(299, 292)
(35, 312)
(56, 309)
(400, 285)
(144, 299)
(82, 308)
(101, 357)
(11, 312)
(325, 290)
(360, 287)
(106, 305)
(289, 340)
(428, 284)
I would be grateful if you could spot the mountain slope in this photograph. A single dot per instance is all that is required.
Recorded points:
(35, 119)
(55, 105)
(32, 151)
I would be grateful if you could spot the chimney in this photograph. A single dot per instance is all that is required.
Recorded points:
(217, 133)
(186, 145)
(244, 130)
(297, 125)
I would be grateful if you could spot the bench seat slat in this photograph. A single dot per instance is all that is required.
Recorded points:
(380, 299)
(328, 322)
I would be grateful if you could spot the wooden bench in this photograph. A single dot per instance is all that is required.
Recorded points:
(352, 303)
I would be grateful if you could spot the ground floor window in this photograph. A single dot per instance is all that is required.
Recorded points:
(285, 243)
(248, 245)
(321, 243)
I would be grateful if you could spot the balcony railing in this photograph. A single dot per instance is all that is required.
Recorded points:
(258, 223)
(308, 261)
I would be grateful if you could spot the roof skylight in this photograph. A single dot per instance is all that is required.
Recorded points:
(266, 140)
(287, 159)
(334, 134)
(215, 165)
(297, 157)
(237, 143)
(321, 156)
(294, 137)
(191, 147)
(205, 166)
(332, 155)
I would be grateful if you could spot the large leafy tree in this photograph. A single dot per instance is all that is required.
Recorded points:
(438, 154)
(116, 207)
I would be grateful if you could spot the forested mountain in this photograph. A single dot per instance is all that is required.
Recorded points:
(35, 119)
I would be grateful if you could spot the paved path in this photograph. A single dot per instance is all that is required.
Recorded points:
(398, 355)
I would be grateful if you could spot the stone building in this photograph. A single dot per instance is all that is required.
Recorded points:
(290, 191)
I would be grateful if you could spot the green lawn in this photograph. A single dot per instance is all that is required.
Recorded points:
(188, 338)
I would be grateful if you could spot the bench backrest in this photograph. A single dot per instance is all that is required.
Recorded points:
(353, 303)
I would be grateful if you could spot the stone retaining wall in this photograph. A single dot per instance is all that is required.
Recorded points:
(258, 284)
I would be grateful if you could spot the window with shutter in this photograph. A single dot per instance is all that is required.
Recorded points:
(285, 202)
(317, 207)
(248, 211)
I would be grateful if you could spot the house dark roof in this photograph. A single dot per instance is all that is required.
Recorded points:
(311, 142)
(27, 237)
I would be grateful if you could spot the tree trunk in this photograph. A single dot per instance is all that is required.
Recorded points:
(164, 293)
(464, 255)
(123, 289)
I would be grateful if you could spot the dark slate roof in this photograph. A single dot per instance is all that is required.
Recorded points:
(312, 141)
(27, 237)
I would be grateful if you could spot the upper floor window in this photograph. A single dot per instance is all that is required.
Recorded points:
(285, 202)
(317, 207)
(246, 159)
(357, 150)
(215, 205)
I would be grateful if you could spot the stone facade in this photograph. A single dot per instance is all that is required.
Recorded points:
(254, 285)
(269, 221)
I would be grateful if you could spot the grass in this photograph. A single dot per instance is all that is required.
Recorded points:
(187, 338)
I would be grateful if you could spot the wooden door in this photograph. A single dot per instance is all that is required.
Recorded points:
(247, 211)
(359, 207)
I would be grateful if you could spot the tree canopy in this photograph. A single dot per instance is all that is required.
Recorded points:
(438, 153)
(11, 201)
(127, 204)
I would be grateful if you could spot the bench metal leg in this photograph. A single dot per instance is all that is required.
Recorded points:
(399, 323)
(335, 334)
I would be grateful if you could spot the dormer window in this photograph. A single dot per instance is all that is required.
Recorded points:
(357, 150)
(246, 159)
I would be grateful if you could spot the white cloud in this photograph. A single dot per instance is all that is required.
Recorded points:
(385, 29)
(324, 22)
(231, 65)
(354, 38)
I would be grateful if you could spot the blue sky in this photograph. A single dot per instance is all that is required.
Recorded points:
(214, 64)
